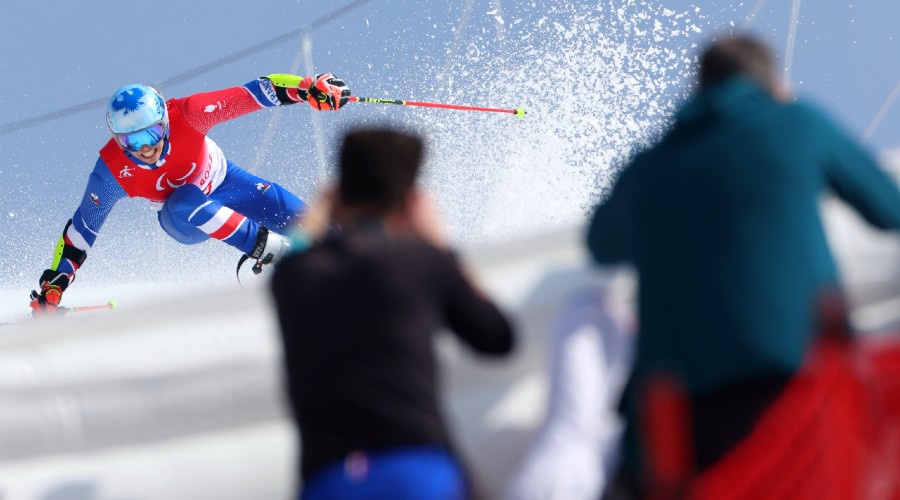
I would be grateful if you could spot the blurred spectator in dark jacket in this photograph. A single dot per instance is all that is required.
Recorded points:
(721, 219)
(358, 312)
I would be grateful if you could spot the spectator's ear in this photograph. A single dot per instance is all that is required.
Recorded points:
(782, 90)
(316, 219)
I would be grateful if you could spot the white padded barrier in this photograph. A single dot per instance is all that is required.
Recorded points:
(179, 398)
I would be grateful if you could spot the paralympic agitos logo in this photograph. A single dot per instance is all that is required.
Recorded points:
(159, 181)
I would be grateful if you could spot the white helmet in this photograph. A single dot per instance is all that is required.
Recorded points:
(137, 116)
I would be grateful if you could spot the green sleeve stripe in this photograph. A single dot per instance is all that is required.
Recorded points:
(283, 80)
(58, 253)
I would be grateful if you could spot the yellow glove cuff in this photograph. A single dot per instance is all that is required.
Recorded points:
(287, 81)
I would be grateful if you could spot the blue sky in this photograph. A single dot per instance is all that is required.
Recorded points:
(843, 56)
(61, 54)
(597, 77)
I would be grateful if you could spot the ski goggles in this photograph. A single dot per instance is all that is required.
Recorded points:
(150, 136)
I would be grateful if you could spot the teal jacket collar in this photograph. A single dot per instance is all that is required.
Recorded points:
(734, 98)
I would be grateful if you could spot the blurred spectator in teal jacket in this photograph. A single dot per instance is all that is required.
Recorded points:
(721, 219)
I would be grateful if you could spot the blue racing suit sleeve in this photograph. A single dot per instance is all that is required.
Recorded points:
(264, 92)
(280, 89)
(100, 196)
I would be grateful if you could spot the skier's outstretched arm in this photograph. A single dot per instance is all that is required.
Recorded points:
(78, 236)
(205, 110)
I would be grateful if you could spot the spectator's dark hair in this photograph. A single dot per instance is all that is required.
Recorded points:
(378, 167)
(740, 55)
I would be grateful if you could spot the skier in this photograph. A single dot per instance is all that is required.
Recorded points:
(160, 151)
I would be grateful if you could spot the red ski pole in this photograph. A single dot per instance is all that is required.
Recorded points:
(112, 304)
(519, 111)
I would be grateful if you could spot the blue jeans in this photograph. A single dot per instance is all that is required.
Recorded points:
(402, 473)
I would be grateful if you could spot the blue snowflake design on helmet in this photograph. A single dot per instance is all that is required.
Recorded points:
(135, 107)
(128, 100)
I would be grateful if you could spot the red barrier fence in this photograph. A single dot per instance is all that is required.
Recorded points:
(834, 433)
